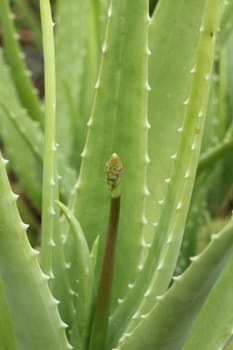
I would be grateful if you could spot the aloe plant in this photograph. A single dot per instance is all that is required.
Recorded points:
(128, 162)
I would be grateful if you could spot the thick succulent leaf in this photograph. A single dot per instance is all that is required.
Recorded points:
(52, 254)
(179, 102)
(226, 24)
(195, 219)
(81, 279)
(171, 64)
(19, 73)
(33, 136)
(13, 141)
(216, 316)
(118, 124)
(168, 324)
(35, 320)
(7, 338)
(77, 58)
(100, 14)
(220, 113)
(175, 202)
(27, 128)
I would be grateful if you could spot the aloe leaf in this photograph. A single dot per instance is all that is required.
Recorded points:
(36, 322)
(24, 86)
(34, 138)
(100, 15)
(52, 253)
(211, 157)
(168, 323)
(50, 180)
(13, 140)
(176, 201)
(216, 315)
(120, 115)
(221, 146)
(226, 21)
(27, 128)
(7, 337)
(173, 179)
(87, 80)
(94, 252)
(166, 102)
(76, 72)
(195, 219)
(81, 279)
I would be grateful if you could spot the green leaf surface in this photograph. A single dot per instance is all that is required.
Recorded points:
(7, 338)
(50, 216)
(33, 136)
(213, 326)
(13, 140)
(81, 279)
(19, 73)
(35, 320)
(120, 116)
(177, 108)
(52, 253)
(226, 23)
(76, 68)
(168, 323)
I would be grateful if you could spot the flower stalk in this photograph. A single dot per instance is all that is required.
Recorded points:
(113, 171)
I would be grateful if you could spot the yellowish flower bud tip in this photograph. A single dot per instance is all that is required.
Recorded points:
(113, 170)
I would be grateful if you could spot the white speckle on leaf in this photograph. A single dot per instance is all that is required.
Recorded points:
(187, 174)
(169, 240)
(144, 219)
(120, 301)
(161, 202)
(140, 267)
(186, 101)
(160, 266)
(84, 153)
(173, 156)
(148, 126)
(104, 47)
(193, 70)
(89, 123)
(200, 114)
(146, 191)
(148, 88)
(148, 51)
(194, 146)
(110, 11)
(180, 129)
(147, 158)
(97, 84)
(147, 293)
(52, 182)
(194, 258)
(145, 244)
(155, 224)
(136, 315)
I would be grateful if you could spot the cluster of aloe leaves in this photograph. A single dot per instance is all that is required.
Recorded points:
(153, 83)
